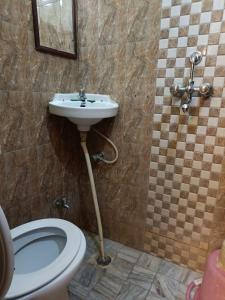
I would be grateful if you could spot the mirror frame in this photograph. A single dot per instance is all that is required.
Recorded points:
(49, 50)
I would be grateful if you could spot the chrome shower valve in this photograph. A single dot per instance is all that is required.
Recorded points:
(205, 90)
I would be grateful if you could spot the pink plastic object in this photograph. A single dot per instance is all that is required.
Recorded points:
(190, 288)
(213, 285)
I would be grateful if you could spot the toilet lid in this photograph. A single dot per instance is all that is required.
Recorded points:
(6, 255)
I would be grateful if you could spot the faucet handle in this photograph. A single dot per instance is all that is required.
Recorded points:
(206, 90)
(177, 90)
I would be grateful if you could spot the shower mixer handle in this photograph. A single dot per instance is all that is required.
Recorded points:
(177, 90)
(205, 90)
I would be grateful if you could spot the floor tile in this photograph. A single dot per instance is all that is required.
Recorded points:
(112, 245)
(131, 291)
(172, 270)
(149, 261)
(77, 291)
(120, 268)
(132, 275)
(88, 275)
(179, 273)
(141, 277)
(129, 254)
(166, 288)
(108, 288)
(74, 297)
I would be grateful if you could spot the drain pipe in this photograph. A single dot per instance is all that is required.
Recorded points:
(102, 259)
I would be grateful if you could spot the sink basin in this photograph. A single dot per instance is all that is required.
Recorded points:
(97, 107)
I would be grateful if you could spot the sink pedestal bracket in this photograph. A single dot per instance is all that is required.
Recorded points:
(102, 260)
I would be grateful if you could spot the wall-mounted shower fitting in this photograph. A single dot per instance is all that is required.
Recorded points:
(62, 202)
(187, 92)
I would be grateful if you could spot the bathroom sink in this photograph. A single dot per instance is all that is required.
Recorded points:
(97, 107)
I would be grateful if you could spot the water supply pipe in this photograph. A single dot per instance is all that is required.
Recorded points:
(102, 260)
(109, 162)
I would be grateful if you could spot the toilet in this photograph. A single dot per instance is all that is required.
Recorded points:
(38, 259)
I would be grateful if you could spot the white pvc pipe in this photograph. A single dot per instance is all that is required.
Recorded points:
(83, 136)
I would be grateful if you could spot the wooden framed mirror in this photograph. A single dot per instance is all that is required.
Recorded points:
(55, 27)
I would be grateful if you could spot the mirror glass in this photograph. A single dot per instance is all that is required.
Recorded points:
(55, 26)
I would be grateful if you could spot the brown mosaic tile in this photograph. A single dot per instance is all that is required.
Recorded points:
(185, 181)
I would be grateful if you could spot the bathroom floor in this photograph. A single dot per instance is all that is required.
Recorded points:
(132, 275)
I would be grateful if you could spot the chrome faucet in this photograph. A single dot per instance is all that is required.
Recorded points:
(82, 97)
(205, 90)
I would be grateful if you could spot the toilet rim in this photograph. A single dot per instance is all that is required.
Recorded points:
(23, 284)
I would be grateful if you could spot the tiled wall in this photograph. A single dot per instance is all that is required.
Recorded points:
(35, 149)
(40, 154)
(119, 43)
(187, 153)
(178, 212)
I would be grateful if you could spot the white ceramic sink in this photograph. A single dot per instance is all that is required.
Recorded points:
(97, 107)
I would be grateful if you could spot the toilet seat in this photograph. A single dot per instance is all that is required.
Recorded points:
(6, 255)
(24, 284)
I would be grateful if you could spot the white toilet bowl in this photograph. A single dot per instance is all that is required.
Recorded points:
(46, 255)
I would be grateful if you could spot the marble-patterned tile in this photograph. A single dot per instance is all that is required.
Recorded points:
(132, 210)
(135, 129)
(17, 212)
(135, 276)
(111, 74)
(22, 9)
(174, 271)
(92, 240)
(130, 291)
(51, 73)
(142, 277)
(13, 39)
(131, 238)
(149, 261)
(14, 72)
(20, 174)
(112, 23)
(190, 276)
(74, 297)
(139, 16)
(49, 168)
(166, 288)
(16, 113)
(88, 275)
(109, 244)
(107, 288)
(87, 25)
(120, 268)
(78, 291)
(129, 254)
(88, 69)
(42, 126)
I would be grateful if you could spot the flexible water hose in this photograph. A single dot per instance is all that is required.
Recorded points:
(112, 144)
(83, 136)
